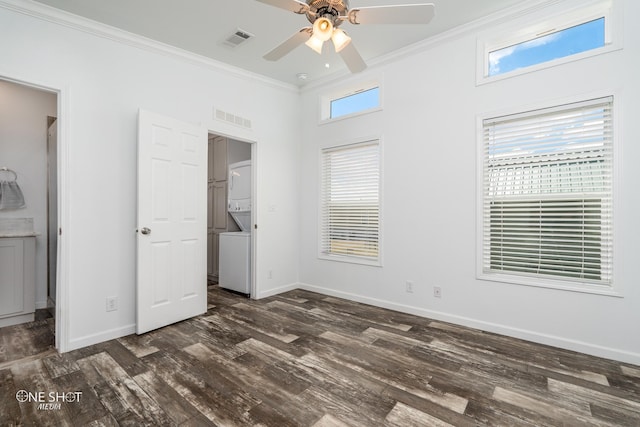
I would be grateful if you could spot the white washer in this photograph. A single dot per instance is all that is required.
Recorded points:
(235, 261)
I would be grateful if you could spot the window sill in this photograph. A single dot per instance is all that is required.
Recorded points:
(351, 260)
(561, 285)
(350, 116)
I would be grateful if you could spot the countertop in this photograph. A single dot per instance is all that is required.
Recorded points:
(17, 234)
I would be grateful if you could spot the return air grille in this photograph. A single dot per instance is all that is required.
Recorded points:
(224, 116)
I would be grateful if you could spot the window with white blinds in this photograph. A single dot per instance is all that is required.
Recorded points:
(547, 193)
(350, 202)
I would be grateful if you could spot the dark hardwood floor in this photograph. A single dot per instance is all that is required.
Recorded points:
(304, 359)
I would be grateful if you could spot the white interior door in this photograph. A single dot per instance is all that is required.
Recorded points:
(172, 221)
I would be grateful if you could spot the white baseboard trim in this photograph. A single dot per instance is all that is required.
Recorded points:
(111, 334)
(88, 340)
(276, 291)
(41, 304)
(16, 320)
(546, 339)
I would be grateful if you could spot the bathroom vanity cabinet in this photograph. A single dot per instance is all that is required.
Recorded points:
(17, 279)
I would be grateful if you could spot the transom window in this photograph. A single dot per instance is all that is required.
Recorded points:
(557, 44)
(353, 100)
(547, 209)
(544, 37)
(362, 100)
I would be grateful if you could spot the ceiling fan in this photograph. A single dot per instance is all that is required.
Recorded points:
(327, 15)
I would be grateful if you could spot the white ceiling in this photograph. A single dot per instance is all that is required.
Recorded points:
(200, 26)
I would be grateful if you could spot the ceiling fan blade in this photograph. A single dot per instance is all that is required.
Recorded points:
(289, 44)
(393, 14)
(352, 58)
(290, 5)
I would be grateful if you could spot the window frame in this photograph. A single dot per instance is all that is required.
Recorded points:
(547, 21)
(348, 258)
(362, 86)
(614, 289)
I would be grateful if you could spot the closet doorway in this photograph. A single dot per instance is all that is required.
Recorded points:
(224, 152)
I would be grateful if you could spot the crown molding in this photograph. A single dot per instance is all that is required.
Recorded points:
(496, 18)
(69, 20)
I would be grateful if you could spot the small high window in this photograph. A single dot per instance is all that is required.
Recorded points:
(353, 100)
(360, 101)
(548, 37)
(570, 41)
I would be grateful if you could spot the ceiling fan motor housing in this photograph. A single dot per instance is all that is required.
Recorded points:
(329, 9)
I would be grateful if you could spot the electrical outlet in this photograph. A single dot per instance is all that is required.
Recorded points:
(437, 292)
(270, 274)
(112, 303)
(408, 286)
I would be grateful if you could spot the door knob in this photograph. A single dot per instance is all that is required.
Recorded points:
(145, 230)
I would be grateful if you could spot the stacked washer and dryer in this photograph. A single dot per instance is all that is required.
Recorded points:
(235, 247)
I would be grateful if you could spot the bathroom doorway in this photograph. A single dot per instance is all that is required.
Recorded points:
(224, 152)
(29, 147)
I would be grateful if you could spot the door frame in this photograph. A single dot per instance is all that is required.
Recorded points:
(62, 279)
(242, 137)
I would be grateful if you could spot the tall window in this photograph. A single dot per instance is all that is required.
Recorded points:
(547, 193)
(350, 205)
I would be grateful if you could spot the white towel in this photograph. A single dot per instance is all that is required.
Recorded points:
(10, 195)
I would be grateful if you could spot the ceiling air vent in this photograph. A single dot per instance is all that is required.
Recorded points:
(237, 38)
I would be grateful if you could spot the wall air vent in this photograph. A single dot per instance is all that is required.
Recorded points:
(233, 119)
(238, 37)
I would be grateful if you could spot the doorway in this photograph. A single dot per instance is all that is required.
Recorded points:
(230, 238)
(29, 147)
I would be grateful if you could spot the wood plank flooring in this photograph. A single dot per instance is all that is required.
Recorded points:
(304, 359)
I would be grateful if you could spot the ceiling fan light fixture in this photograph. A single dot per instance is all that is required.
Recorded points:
(322, 29)
(315, 43)
(340, 39)
(326, 15)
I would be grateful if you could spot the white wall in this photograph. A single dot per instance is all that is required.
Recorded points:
(103, 84)
(239, 151)
(23, 148)
(428, 127)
